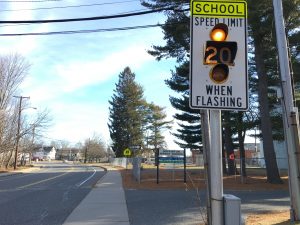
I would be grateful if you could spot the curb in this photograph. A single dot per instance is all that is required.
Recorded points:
(27, 170)
(104, 168)
(9, 174)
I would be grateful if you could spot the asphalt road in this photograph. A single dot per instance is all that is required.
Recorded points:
(179, 207)
(46, 196)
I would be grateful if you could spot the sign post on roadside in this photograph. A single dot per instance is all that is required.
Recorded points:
(218, 76)
(171, 157)
(127, 153)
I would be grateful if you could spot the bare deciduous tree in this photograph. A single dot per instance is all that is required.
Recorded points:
(94, 149)
(32, 130)
(13, 70)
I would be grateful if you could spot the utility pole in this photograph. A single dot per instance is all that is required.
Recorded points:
(33, 133)
(32, 143)
(86, 149)
(290, 113)
(18, 128)
(85, 153)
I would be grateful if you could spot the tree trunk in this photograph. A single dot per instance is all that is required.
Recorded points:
(241, 139)
(9, 159)
(2, 159)
(228, 144)
(224, 162)
(266, 126)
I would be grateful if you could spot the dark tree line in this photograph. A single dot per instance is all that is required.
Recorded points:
(263, 77)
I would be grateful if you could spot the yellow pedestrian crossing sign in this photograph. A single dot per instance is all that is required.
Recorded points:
(127, 152)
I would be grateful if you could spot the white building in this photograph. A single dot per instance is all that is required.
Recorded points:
(279, 146)
(281, 155)
(44, 153)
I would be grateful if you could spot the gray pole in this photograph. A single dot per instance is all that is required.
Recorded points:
(206, 149)
(18, 129)
(32, 143)
(85, 152)
(184, 165)
(290, 115)
(216, 175)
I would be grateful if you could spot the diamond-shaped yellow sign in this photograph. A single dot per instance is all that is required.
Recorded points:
(127, 152)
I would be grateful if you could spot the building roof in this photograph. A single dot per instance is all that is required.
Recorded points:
(48, 149)
(68, 150)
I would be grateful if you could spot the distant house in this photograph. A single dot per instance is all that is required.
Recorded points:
(251, 151)
(44, 153)
(279, 146)
(281, 155)
(72, 154)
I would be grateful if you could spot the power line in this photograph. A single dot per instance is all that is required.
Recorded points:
(89, 31)
(31, 1)
(92, 18)
(26, 24)
(70, 6)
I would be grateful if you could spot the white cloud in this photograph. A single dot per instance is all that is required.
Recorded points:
(23, 45)
(79, 74)
(70, 77)
(76, 75)
(79, 123)
(17, 15)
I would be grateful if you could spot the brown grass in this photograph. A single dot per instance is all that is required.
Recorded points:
(11, 169)
(275, 218)
(195, 179)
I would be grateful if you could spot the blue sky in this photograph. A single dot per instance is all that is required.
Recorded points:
(74, 75)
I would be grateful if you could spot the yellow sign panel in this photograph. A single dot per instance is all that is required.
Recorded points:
(219, 8)
(127, 152)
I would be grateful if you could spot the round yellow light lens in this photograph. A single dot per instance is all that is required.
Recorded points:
(218, 35)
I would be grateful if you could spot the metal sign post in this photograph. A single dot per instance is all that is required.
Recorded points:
(206, 156)
(218, 76)
(170, 157)
(216, 173)
(127, 153)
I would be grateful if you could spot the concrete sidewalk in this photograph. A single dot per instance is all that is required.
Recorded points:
(104, 205)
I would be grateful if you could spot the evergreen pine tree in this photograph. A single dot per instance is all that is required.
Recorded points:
(126, 113)
(156, 125)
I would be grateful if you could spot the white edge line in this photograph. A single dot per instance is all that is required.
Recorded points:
(78, 185)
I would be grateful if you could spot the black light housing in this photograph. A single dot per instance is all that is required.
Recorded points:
(219, 73)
